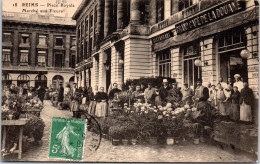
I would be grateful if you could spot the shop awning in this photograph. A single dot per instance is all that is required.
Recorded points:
(210, 29)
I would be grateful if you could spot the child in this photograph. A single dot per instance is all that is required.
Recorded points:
(213, 96)
(235, 96)
(186, 95)
(220, 99)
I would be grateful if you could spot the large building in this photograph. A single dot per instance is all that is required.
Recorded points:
(37, 49)
(186, 40)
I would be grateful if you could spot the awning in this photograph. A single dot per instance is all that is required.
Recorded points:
(210, 29)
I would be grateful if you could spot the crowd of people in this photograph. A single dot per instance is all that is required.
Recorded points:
(233, 99)
(24, 90)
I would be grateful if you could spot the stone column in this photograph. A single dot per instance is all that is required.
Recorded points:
(154, 65)
(100, 19)
(209, 72)
(67, 51)
(135, 12)
(120, 14)
(102, 71)
(176, 65)
(50, 50)
(108, 17)
(16, 48)
(167, 9)
(137, 58)
(152, 12)
(33, 54)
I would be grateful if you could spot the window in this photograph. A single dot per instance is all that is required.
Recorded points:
(160, 10)
(91, 20)
(73, 41)
(59, 41)
(184, 4)
(73, 59)
(42, 40)
(86, 26)
(25, 38)
(7, 37)
(6, 56)
(191, 72)
(232, 39)
(164, 63)
(24, 57)
(41, 58)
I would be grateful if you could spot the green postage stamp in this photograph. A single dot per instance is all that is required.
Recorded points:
(67, 139)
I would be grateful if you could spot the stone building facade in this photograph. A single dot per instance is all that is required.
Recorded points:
(185, 40)
(37, 49)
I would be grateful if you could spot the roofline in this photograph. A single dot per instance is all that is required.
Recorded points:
(79, 9)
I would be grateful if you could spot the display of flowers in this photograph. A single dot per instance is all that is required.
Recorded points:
(33, 104)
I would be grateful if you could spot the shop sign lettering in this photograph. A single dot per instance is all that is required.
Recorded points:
(162, 37)
(209, 16)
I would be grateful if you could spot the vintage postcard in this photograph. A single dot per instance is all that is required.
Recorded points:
(130, 81)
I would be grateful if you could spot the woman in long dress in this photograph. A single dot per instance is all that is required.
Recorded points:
(92, 102)
(246, 101)
(101, 99)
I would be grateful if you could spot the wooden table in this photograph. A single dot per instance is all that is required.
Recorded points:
(20, 124)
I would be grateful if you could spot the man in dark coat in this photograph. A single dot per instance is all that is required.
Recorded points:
(113, 91)
(40, 92)
(201, 95)
(12, 89)
(163, 92)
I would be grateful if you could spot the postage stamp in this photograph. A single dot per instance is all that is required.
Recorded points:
(67, 139)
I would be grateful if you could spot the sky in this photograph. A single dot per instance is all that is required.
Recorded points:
(31, 6)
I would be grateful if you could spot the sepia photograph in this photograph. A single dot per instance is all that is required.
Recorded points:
(130, 81)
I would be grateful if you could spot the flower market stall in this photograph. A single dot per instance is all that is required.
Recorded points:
(145, 123)
(21, 123)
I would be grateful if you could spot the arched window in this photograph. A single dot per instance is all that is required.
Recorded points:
(23, 79)
(57, 80)
(41, 80)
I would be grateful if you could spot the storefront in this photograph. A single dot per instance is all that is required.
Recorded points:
(210, 45)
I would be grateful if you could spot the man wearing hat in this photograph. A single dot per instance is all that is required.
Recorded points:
(201, 95)
(238, 83)
(149, 94)
(163, 93)
(74, 98)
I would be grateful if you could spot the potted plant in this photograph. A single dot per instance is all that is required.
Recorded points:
(116, 134)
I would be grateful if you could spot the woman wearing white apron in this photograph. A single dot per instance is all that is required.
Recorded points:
(101, 99)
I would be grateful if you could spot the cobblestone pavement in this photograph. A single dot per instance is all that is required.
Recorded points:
(137, 153)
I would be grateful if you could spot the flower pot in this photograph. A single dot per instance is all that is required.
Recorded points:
(125, 142)
(196, 141)
(170, 141)
(153, 140)
(115, 142)
(133, 141)
(10, 116)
